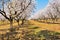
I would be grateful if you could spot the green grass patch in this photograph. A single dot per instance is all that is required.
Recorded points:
(33, 27)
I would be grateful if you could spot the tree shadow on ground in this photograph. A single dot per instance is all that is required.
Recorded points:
(48, 35)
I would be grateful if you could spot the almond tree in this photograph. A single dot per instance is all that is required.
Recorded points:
(27, 12)
(16, 8)
(54, 10)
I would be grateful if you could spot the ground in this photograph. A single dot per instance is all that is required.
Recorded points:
(31, 29)
(41, 26)
(45, 26)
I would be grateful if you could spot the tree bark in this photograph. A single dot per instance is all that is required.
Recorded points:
(2, 37)
(22, 22)
(18, 22)
(11, 22)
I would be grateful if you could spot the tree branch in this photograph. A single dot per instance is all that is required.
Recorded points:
(24, 9)
(4, 14)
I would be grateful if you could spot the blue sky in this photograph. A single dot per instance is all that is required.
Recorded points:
(41, 4)
(4, 2)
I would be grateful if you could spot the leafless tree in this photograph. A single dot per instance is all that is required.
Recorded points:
(24, 18)
(16, 8)
(53, 10)
(26, 13)
(52, 16)
(18, 19)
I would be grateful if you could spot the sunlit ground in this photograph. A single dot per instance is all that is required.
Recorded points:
(32, 24)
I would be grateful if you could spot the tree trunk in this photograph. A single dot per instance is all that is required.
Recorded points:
(11, 22)
(2, 37)
(18, 22)
(22, 22)
(7, 37)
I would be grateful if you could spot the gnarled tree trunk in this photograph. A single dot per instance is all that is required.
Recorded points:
(11, 22)
(22, 21)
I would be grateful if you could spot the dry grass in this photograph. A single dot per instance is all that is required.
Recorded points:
(41, 26)
(6, 26)
(45, 26)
